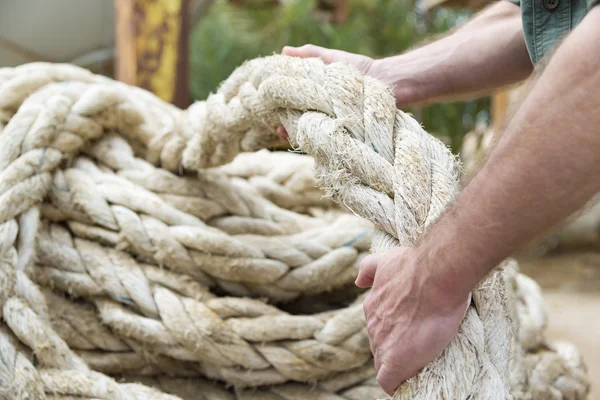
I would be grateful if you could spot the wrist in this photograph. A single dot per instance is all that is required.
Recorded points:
(406, 85)
(451, 273)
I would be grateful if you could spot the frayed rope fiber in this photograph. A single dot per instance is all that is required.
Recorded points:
(143, 257)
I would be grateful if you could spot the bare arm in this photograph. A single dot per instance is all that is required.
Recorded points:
(546, 166)
(486, 53)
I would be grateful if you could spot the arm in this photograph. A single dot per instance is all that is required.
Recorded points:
(545, 167)
(486, 53)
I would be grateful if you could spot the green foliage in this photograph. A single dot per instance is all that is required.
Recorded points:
(228, 35)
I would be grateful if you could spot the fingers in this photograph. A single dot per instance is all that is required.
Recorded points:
(306, 51)
(377, 360)
(366, 272)
(282, 133)
(388, 379)
(371, 323)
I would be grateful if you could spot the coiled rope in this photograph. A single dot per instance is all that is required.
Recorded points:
(160, 267)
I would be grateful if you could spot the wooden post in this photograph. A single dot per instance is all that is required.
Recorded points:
(500, 105)
(152, 47)
(336, 10)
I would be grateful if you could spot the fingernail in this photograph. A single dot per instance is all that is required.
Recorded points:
(282, 133)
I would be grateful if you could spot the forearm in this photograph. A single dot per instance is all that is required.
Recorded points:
(545, 167)
(486, 53)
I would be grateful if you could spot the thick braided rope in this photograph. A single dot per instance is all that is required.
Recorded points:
(64, 117)
(380, 164)
(29, 314)
(62, 374)
(26, 311)
(83, 271)
(85, 209)
(82, 109)
(96, 335)
(102, 206)
(288, 180)
(85, 268)
(209, 331)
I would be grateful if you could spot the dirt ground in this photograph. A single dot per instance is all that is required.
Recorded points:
(571, 284)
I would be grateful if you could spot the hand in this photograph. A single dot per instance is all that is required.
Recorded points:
(362, 63)
(412, 313)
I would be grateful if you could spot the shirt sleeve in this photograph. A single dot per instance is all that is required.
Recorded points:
(518, 2)
(591, 3)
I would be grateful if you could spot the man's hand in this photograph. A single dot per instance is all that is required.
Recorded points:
(486, 53)
(410, 317)
(360, 62)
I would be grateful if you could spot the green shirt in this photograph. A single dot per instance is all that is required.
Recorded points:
(546, 22)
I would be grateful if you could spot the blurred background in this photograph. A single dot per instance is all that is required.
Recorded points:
(182, 49)
(224, 33)
(236, 31)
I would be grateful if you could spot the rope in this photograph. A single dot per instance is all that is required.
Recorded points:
(380, 164)
(105, 196)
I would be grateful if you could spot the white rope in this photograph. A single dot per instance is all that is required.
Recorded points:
(145, 250)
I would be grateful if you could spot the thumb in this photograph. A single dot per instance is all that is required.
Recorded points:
(388, 379)
(366, 272)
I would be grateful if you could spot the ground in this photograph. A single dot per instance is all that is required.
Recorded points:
(571, 284)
